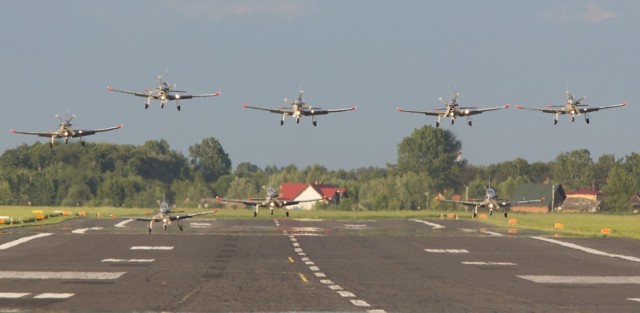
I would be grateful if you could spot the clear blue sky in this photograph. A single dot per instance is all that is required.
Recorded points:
(59, 57)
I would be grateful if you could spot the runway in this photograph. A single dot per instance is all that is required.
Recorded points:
(293, 265)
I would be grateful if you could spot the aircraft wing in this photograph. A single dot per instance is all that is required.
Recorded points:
(309, 112)
(587, 109)
(82, 132)
(243, 201)
(135, 93)
(554, 110)
(399, 109)
(467, 203)
(474, 111)
(294, 202)
(514, 203)
(217, 93)
(279, 111)
(41, 134)
(183, 216)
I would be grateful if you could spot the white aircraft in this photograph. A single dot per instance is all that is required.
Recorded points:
(164, 216)
(66, 132)
(165, 93)
(453, 110)
(571, 107)
(299, 108)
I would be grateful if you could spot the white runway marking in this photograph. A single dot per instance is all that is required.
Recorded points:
(54, 296)
(492, 233)
(634, 299)
(582, 280)
(60, 275)
(84, 230)
(151, 248)
(314, 268)
(355, 226)
(346, 294)
(490, 263)
(588, 250)
(335, 287)
(433, 225)
(447, 250)
(361, 303)
(13, 295)
(14, 243)
(200, 225)
(123, 223)
(128, 260)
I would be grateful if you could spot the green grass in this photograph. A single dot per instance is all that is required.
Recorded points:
(588, 225)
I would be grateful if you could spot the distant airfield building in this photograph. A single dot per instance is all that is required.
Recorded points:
(302, 191)
(583, 200)
(553, 195)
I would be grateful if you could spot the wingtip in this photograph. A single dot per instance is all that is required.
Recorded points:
(353, 108)
(218, 93)
(519, 107)
(13, 131)
(624, 103)
(506, 106)
(244, 105)
(218, 198)
(120, 125)
(109, 88)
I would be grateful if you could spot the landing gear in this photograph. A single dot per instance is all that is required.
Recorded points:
(146, 106)
(180, 225)
(286, 213)
(281, 123)
(178, 107)
(452, 121)
(475, 212)
(437, 124)
(491, 212)
(586, 120)
(255, 214)
(315, 123)
(555, 121)
(505, 214)
(470, 123)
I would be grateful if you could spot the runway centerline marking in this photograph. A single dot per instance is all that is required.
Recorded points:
(634, 299)
(61, 275)
(454, 251)
(22, 240)
(151, 248)
(582, 280)
(588, 250)
(490, 263)
(433, 225)
(128, 260)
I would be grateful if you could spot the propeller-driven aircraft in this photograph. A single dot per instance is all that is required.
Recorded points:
(165, 92)
(164, 216)
(453, 110)
(491, 201)
(300, 108)
(66, 132)
(572, 107)
(272, 201)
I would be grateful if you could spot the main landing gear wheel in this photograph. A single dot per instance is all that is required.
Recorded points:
(505, 214)
(255, 214)
(287, 213)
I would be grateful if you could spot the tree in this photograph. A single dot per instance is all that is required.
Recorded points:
(431, 152)
(210, 159)
(574, 169)
(619, 188)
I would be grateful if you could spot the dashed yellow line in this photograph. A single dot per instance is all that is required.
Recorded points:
(291, 260)
(304, 279)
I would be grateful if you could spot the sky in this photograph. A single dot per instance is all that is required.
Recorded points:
(58, 57)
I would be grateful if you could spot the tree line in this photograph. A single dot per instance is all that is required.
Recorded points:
(428, 164)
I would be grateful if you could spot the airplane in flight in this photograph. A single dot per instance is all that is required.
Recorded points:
(571, 107)
(453, 110)
(272, 201)
(66, 132)
(165, 92)
(490, 201)
(299, 108)
(164, 216)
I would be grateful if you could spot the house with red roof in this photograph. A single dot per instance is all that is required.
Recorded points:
(301, 191)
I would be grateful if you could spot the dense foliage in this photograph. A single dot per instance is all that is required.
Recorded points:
(428, 164)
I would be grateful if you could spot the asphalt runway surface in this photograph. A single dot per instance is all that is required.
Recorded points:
(293, 265)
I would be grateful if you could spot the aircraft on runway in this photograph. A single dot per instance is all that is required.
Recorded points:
(453, 110)
(165, 92)
(164, 216)
(299, 108)
(272, 201)
(571, 107)
(66, 132)
(491, 201)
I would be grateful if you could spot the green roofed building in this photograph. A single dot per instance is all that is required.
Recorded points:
(553, 197)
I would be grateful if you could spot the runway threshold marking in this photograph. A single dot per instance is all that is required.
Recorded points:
(13, 295)
(60, 275)
(582, 280)
(84, 230)
(54, 296)
(123, 223)
(588, 250)
(433, 225)
(22, 240)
